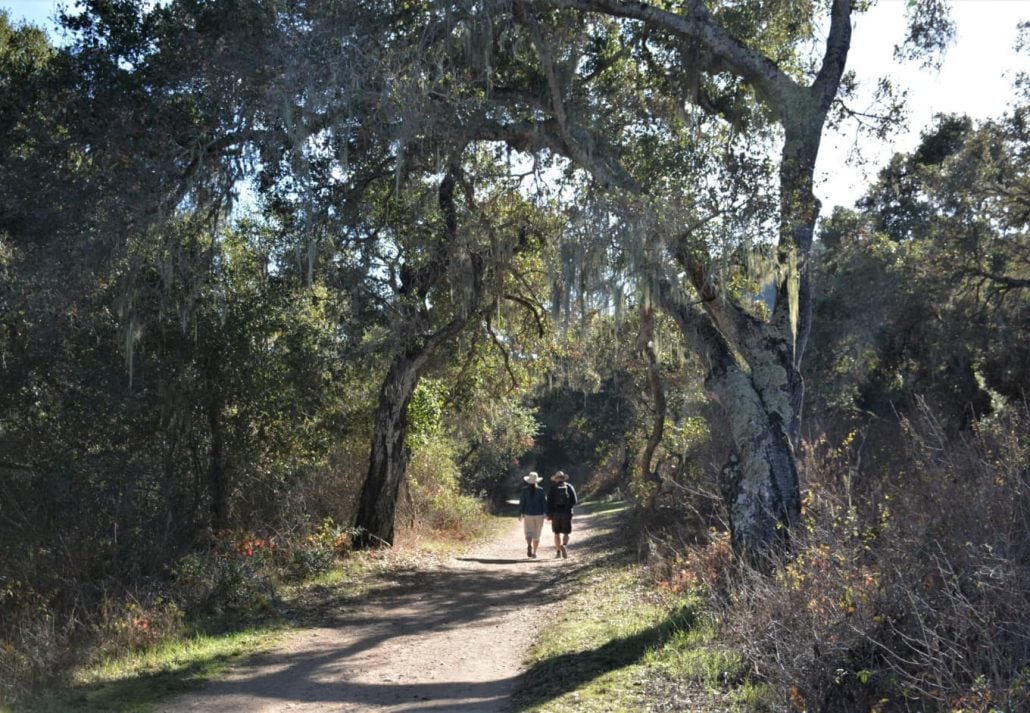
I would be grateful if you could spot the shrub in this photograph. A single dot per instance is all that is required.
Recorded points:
(316, 553)
(31, 645)
(234, 577)
(434, 499)
(908, 597)
(136, 622)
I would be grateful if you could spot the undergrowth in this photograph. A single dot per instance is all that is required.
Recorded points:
(905, 589)
(234, 599)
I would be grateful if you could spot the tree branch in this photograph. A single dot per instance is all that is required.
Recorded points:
(696, 24)
(532, 307)
(504, 352)
(838, 43)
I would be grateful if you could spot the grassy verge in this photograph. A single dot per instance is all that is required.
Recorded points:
(615, 642)
(132, 682)
(136, 680)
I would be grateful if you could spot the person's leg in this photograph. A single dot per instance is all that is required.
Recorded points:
(556, 529)
(533, 532)
(566, 529)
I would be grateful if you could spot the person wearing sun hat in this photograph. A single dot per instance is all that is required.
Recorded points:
(560, 500)
(532, 509)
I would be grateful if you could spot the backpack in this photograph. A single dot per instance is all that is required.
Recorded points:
(560, 497)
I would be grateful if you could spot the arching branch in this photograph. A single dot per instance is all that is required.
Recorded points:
(534, 309)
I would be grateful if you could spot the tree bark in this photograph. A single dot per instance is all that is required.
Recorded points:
(389, 457)
(762, 490)
(388, 461)
(645, 343)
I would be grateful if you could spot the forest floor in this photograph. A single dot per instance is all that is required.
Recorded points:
(448, 635)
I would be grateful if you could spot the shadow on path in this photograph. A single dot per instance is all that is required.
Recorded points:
(411, 643)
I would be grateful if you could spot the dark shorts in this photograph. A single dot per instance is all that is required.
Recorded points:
(561, 523)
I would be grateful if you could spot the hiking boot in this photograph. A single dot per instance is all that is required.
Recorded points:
(563, 552)
(529, 550)
(557, 554)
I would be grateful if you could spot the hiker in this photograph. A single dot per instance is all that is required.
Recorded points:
(560, 500)
(532, 509)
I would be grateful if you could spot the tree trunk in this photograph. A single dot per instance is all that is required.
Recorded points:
(761, 486)
(389, 457)
(763, 494)
(216, 474)
(216, 485)
(645, 342)
(377, 506)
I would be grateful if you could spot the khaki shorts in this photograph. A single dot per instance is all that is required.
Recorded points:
(534, 525)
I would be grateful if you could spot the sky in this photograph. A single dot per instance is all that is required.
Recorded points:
(975, 79)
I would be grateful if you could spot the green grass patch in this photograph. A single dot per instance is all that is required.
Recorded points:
(617, 642)
(594, 643)
(134, 681)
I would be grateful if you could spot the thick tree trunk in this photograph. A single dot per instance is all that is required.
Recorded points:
(388, 460)
(389, 457)
(761, 488)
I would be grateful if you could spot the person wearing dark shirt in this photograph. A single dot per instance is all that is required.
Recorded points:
(560, 501)
(532, 509)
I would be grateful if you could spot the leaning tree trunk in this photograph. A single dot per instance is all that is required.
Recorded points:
(389, 456)
(388, 460)
(754, 365)
(748, 380)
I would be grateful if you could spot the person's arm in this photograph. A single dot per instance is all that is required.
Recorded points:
(549, 505)
(522, 503)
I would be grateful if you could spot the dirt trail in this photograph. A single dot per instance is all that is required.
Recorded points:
(448, 638)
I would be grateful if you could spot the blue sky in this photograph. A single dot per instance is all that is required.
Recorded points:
(975, 79)
(37, 11)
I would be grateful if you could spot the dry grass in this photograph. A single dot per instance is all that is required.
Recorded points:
(911, 596)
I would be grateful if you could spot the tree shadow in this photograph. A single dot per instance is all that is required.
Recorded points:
(138, 693)
(495, 560)
(415, 603)
(553, 677)
(405, 603)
